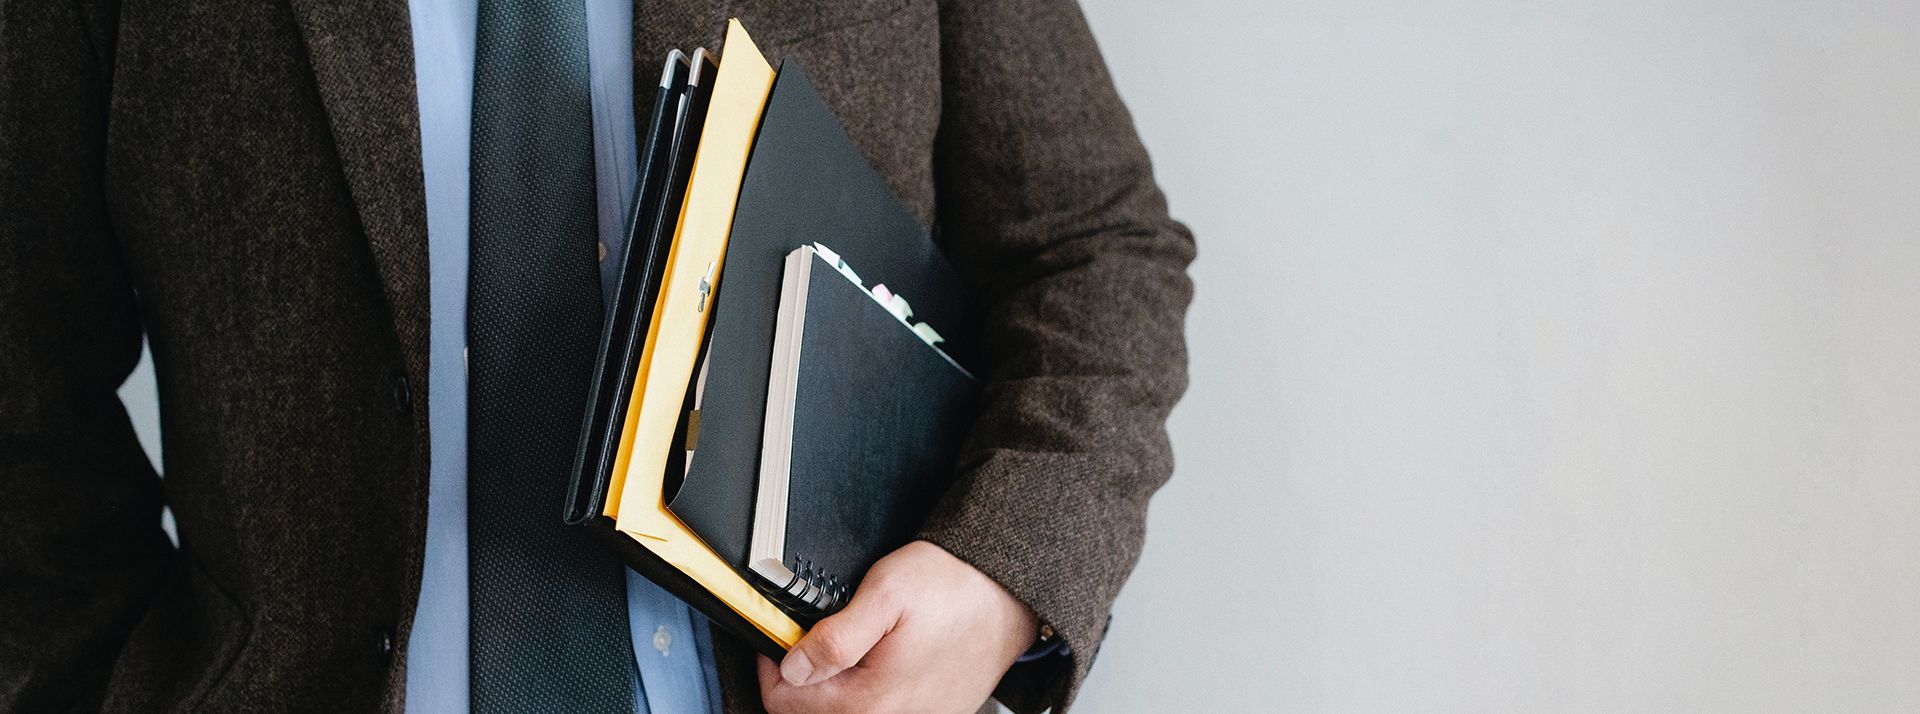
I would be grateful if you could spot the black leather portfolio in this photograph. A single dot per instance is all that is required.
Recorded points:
(671, 134)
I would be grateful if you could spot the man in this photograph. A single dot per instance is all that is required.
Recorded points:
(272, 193)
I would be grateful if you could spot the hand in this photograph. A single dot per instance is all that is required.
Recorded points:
(925, 632)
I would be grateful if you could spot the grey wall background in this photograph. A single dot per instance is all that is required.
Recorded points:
(1548, 356)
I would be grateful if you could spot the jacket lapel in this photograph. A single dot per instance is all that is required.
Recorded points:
(362, 55)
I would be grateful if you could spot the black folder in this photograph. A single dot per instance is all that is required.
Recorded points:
(864, 419)
(806, 181)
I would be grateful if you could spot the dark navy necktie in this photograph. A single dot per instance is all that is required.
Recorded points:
(549, 621)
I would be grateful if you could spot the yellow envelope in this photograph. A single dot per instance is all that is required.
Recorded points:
(635, 490)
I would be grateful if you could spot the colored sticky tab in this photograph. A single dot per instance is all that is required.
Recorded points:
(834, 260)
(895, 304)
(892, 301)
(826, 253)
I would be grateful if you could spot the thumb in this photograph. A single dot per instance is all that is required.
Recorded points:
(840, 641)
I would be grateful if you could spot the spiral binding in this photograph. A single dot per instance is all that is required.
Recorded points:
(812, 590)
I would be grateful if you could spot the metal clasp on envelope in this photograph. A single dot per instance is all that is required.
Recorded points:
(706, 288)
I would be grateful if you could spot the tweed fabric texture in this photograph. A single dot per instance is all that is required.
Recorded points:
(548, 606)
(259, 192)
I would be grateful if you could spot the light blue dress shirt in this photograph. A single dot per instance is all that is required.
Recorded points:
(673, 669)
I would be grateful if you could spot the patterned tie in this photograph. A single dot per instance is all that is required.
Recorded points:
(549, 614)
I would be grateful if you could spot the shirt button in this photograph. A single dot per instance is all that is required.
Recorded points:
(603, 251)
(402, 395)
(662, 640)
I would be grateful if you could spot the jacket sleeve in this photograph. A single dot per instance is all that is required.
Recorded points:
(81, 552)
(1047, 204)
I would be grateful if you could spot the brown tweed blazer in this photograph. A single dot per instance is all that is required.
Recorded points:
(240, 182)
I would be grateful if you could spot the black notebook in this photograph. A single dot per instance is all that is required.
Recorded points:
(864, 417)
(806, 181)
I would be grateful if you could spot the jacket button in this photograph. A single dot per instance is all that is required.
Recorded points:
(386, 643)
(402, 395)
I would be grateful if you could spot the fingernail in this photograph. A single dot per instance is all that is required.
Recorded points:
(796, 669)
